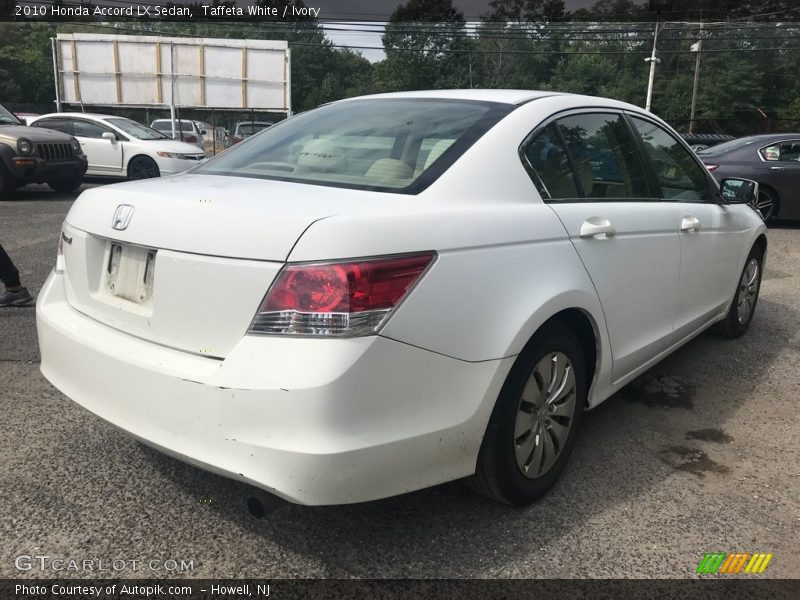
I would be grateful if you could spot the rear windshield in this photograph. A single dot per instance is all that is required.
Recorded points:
(728, 146)
(167, 126)
(6, 118)
(393, 145)
(251, 128)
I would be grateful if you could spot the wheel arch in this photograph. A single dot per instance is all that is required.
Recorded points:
(589, 327)
(761, 244)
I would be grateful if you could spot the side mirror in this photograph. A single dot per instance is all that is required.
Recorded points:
(738, 191)
(107, 135)
(203, 132)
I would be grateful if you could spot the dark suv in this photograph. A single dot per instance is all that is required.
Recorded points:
(35, 155)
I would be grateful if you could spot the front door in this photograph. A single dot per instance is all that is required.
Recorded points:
(711, 235)
(104, 155)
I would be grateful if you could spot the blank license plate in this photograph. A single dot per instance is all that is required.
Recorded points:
(130, 272)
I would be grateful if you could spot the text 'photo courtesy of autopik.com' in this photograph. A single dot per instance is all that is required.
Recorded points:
(399, 299)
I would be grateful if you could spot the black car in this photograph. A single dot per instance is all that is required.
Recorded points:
(36, 155)
(773, 160)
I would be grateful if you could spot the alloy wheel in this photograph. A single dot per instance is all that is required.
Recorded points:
(748, 290)
(764, 205)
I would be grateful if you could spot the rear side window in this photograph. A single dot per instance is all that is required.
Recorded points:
(548, 158)
(62, 125)
(784, 152)
(682, 179)
(587, 156)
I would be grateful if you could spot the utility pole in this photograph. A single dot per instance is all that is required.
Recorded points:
(652, 60)
(696, 47)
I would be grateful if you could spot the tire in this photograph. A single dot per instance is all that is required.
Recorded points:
(766, 204)
(143, 167)
(505, 470)
(65, 185)
(736, 323)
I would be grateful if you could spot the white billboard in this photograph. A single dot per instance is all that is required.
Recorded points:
(132, 70)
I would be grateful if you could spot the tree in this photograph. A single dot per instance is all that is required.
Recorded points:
(422, 42)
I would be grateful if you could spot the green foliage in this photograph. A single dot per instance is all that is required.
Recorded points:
(747, 70)
(422, 42)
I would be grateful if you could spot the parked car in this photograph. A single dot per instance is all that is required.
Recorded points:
(213, 140)
(773, 160)
(701, 141)
(185, 130)
(119, 147)
(29, 155)
(245, 129)
(408, 289)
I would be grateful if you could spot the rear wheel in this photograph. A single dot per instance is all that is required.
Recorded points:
(143, 167)
(766, 203)
(745, 299)
(65, 184)
(532, 430)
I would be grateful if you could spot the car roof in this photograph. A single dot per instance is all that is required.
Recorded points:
(513, 97)
(81, 114)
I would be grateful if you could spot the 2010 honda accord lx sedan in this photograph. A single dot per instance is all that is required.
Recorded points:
(391, 292)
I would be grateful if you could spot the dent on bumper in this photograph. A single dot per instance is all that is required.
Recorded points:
(313, 421)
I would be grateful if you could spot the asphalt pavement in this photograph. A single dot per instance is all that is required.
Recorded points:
(701, 454)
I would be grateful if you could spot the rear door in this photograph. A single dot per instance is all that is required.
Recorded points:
(711, 235)
(590, 172)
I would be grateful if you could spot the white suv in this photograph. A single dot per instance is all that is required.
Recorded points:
(185, 130)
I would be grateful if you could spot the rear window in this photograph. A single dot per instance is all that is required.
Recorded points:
(251, 128)
(728, 146)
(393, 145)
(167, 126)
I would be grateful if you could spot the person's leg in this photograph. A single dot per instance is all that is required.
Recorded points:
(8, 272)
(14, 294)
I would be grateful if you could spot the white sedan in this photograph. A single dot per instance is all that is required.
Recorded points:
(119, 147)
(391, 292)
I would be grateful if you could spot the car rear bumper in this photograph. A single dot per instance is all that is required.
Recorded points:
(314, 421)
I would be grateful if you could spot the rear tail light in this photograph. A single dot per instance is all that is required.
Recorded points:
(60, 254)
(236, 139)
(712, 167)
(341, 299)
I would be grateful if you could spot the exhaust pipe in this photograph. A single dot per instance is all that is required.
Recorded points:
(261, 503)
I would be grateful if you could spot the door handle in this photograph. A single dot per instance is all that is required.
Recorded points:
(597, 227)
(777, 168)
(690, 224)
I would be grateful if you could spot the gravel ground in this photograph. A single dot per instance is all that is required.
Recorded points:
(700, 454)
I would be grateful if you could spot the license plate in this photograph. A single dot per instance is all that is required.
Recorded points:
(130, 272)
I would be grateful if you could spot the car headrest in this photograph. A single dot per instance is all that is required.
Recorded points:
(437, 150)
(384, 169)
(321, 156)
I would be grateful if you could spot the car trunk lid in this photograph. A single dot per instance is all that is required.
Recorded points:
(185, 261)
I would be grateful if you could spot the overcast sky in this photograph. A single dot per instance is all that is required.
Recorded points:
(363, 11)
